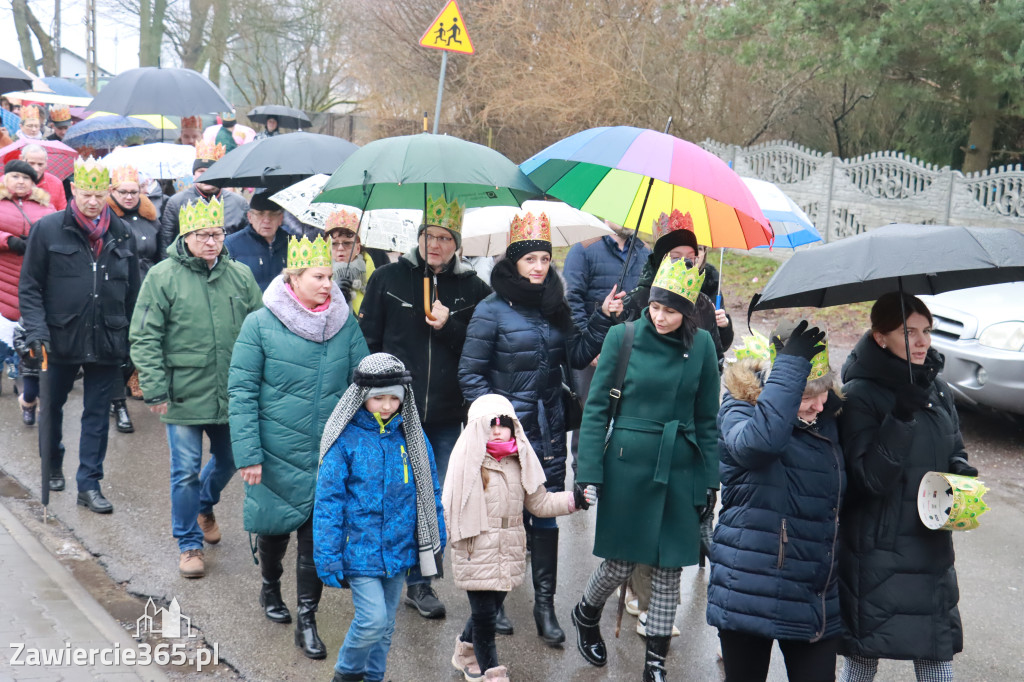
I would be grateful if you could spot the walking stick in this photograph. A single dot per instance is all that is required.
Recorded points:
(621, 607)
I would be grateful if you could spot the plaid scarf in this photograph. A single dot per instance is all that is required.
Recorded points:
(94, 231)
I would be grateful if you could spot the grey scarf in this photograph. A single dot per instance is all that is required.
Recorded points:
(318, 327)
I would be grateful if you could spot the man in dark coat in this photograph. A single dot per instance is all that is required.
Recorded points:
(235, 207)
(393, 320)
(262, 245)
(77, 292)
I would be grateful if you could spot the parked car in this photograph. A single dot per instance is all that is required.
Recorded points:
(981, 333)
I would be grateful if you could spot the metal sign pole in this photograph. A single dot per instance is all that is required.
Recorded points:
(440, 88)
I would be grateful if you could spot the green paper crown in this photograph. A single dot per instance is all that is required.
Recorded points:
(91, 175)
(200, 215)
(819, 363)
(444, 214)
(754, 347)
(303, 253)
(679, 279)
(968, 504)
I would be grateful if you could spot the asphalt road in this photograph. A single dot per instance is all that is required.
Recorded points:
(135, 547)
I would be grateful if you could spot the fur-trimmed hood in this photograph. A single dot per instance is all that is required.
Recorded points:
(316, 327)
(744, 379)
(38, 195)
(145, 209)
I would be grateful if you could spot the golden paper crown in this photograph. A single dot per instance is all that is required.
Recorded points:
(209, 151)
(530, 227)
(754, 347)
(819, 363)
(441, 213)
(679, 279)
(199, 215)
(30, 112)
(60, 114)
(91, 175)
(123, 174)
(345, 220)
(303, 253)
(670, 223)
(192, 122)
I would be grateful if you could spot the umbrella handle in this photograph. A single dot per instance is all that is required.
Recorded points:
(46, 359)
(426, 299)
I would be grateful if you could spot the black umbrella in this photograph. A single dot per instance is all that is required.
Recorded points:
(279, 161)
(13, 79)
(156, 90)
(287, 117)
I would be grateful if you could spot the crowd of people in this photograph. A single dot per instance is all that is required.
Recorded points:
(389, 435)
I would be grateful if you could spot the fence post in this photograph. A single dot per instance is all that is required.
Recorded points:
(828, 203)
(949, 199)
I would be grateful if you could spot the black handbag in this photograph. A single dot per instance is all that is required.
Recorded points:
(572, 404)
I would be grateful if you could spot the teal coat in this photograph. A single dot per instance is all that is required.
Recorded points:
(662, 457)
(283, 386)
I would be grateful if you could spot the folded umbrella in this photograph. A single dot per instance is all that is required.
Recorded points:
(287, 117)
(279, 161)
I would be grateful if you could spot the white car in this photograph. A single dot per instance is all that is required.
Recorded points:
(980, 331)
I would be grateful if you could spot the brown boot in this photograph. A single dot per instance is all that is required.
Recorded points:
(191, 565)
(464, 660)
(499, 674)
(211, 531)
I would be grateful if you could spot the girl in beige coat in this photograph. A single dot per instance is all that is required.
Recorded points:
(492, 474)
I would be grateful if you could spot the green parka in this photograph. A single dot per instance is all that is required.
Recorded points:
(663, 454)
(186, 320)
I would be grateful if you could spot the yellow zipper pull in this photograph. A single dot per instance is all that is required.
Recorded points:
(405, 464)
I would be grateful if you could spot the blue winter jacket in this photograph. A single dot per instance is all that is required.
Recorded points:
(592, 267)
(515, 352)
(265, 260)
(364, 519)
(773, 571)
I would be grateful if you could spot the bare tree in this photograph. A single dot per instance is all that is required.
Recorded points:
(25, 21)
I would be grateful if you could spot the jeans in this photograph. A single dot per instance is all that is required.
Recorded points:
(746, 657)
(92, 443)
(365, 649)
(194, 492)
(442, 439)
(479, 630)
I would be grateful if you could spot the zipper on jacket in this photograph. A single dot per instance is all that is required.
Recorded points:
(783, 541)
(405, 464)
(430, 353)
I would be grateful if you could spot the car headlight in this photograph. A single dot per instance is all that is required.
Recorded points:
(1004, 336)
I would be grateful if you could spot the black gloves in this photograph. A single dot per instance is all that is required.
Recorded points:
(35, 348)
(579, 497)
(346, 288)
(909, 399)
(712, 501)
(16, 245)
(960, 467)
(439, 562)
(803, 342)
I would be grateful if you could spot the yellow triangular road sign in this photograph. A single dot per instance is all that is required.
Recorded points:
(448, 32)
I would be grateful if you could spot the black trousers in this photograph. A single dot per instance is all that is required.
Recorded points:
(746, 658)
(479, 630)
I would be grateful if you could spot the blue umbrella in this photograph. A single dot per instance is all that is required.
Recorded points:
(107, 132)
(790, 224)
(63, 86)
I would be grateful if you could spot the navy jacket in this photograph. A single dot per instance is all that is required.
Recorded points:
(593, 267)
(265, 260)
(774, 571)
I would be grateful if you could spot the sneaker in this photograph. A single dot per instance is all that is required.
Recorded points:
(632, 602)
(422, 597)
(191, 565)
(641, 625)
(211, 531)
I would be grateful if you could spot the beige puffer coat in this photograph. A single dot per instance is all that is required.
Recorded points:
(496, 558)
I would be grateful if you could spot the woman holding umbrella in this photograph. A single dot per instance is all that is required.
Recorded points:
(522, 344)
(898, 586)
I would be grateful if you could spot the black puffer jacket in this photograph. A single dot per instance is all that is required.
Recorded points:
(898, 588)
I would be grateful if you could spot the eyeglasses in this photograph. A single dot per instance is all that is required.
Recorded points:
(203, 237)
(439, 240)
(127, 195)
(343, 242)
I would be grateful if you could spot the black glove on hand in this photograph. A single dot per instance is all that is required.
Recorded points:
(16, 245)
(579, 497)
(36, 348)
(439, 562)
(346, 289)
(803, 342)
(909, 399)
(961, 468)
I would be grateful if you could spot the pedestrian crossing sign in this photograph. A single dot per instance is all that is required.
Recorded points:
(448, 31)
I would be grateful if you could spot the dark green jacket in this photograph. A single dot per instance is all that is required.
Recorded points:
(184, 327)
(663, 455)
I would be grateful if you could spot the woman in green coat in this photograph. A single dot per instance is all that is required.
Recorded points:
(290, 365)
(657, 469)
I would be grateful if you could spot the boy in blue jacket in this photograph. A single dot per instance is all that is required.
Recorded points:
(373, 456)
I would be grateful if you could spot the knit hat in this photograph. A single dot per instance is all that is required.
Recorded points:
(527, 234)
(23, 167)
(395, 390)
(671, 231)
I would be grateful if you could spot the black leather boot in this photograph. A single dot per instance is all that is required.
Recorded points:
(654, 665)
(545, 576)
(309, 589)
(502, 625)
(272, 549)
(587, 620)
(124, 422)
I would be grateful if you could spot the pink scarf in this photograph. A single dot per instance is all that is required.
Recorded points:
(319, 309)
(499, 449)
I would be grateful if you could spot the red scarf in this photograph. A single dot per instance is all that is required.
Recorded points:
(94, 231)
(499, 449)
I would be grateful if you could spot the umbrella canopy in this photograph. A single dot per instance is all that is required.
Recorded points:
(790, 225)
(632, 175)
(485, 230)
(160, 160)
(155, 120)
(287, 117)
(63, 86)
(279, 161)
(12, 78)
(156, 90)
(107, 132)
(60, 158)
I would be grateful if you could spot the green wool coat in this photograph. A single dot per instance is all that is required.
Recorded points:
(185, 324)
(662, 457)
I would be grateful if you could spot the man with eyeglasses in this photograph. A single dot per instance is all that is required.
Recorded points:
(262, 245)
(418, 309)
(189, 313)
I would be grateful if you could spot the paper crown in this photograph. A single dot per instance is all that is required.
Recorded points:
(123, 174)
(199, 215)
(819, 363)
(530, 227)
(30, 112)
(441, 213)
(303, 253)
(191, 122)
(91, 175)
(754, 347)
(60, 114)
(343, 220)
(670, 223)
(679, 279)
(209, 151)
(950, 502)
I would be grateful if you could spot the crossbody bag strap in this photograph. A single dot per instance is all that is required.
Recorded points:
(615, 394)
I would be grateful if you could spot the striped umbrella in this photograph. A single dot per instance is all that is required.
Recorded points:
(791, 226)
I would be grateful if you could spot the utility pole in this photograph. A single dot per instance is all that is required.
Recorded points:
(90, 46)
(56, 34)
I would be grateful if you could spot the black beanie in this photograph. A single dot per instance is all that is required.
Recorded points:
(23, 167)
(517, 250)
(202, 163)
(672, 240)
